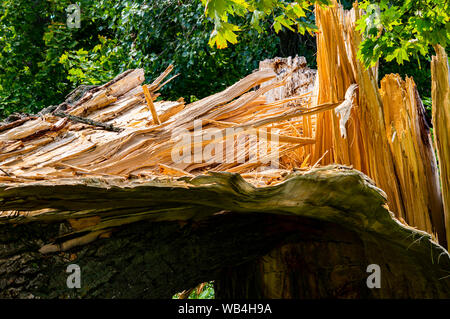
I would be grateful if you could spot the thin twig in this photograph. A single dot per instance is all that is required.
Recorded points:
(1, 169)
(73, 118)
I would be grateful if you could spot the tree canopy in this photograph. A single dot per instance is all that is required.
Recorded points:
(392, 29)
(287, 14)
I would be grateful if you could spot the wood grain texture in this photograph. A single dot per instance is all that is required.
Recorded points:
(440, 92)
(330, 222)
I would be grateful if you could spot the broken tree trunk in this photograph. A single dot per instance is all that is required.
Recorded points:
(327, 261)
(122, 201)
(440, 90)
(413, 155)
(209, 225)
(384, 135)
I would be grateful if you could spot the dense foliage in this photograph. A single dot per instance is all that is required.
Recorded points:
(212, 44)
(203, 291)
(403, 32)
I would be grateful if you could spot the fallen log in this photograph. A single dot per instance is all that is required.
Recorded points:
(78, 119)
(351, 223)
(123, 199)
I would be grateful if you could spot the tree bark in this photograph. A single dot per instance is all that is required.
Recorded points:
(141, 260)
(440, 91)
(310, 236)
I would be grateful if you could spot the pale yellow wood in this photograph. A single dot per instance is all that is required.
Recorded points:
(151, 106)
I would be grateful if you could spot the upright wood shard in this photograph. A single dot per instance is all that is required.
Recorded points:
(413, 154)
(337, 71)
(403, 166)
(440, 91)
(149, 99)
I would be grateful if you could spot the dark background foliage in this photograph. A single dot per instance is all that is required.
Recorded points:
(42, 60)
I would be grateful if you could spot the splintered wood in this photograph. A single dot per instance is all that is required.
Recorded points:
(48, 147)
(440, 90)
(280, 118)
(387, 136)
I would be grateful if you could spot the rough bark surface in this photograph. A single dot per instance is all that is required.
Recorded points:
(331, 222)
(385, 136)
(142, 260)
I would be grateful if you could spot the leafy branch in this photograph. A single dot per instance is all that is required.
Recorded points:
(289, 15)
